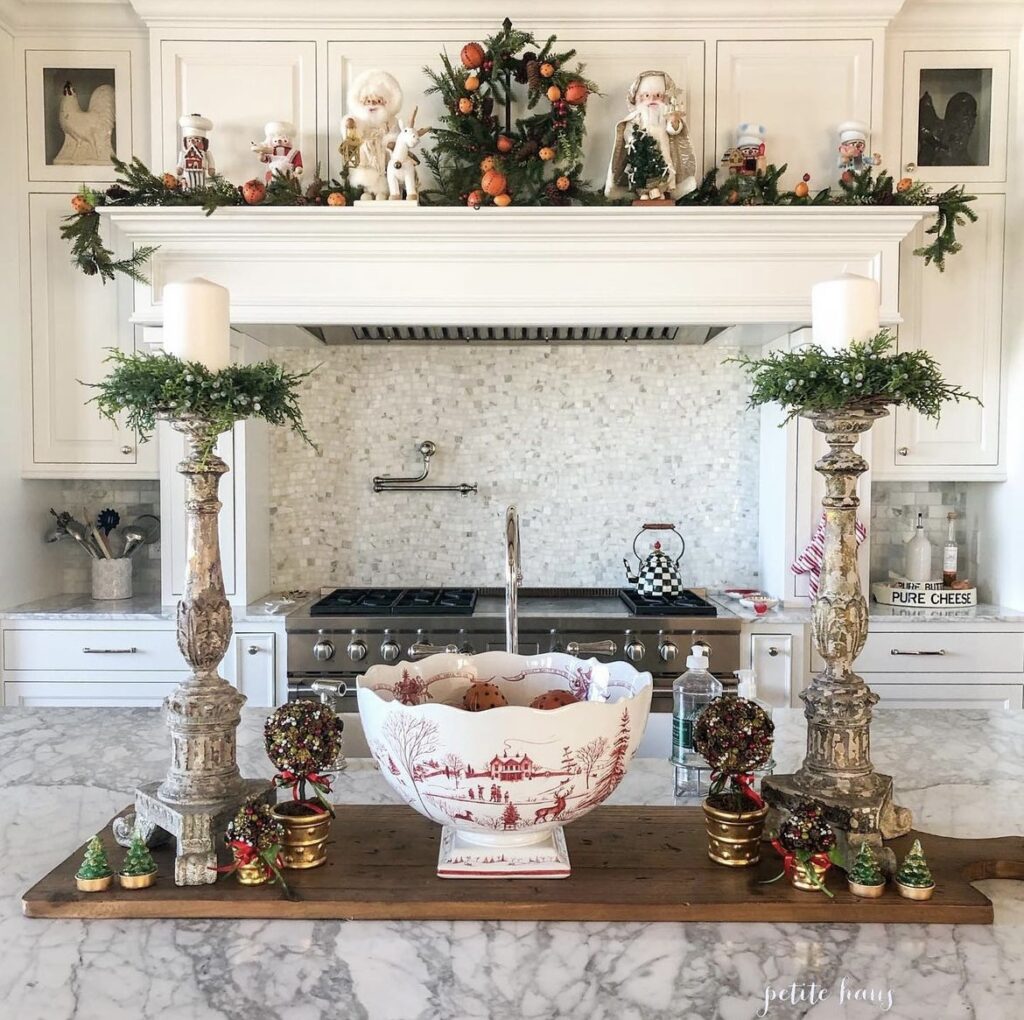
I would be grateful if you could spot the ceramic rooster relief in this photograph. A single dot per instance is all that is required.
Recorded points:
(944, 141)
(88, 133)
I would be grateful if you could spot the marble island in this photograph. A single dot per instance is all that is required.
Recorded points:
(66, 771)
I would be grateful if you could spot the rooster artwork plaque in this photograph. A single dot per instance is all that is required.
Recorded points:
(81, 114)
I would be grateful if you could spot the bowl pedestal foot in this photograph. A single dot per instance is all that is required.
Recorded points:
(460, 857)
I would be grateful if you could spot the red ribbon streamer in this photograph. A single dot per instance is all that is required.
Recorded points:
(244, 853)
(745, 781)
(292, 779)
(788, 858)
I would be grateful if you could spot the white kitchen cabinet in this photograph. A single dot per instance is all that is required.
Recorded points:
(74, 322)
(964, 696)
(957, 317)
(101, 694)
(239, 85)
(771, 659)
(251, 665)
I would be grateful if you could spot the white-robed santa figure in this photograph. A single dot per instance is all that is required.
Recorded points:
(277, 151)
(655, 107)
(374, 101)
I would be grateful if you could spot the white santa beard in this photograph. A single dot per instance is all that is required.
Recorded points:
(372, 116)
(652, 118)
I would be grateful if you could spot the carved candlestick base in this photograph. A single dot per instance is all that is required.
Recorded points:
(203, 787)
(837, 769)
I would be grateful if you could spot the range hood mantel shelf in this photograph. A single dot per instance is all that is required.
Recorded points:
(532, 267)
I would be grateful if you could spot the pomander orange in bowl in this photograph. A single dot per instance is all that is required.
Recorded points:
(482, 696)
(553, 699)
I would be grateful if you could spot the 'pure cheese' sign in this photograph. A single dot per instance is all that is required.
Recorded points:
(925, 598)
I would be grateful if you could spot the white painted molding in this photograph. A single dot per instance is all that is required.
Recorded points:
(77, 17)
(528, 267)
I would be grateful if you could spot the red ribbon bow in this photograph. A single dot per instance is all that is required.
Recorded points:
(292, 779)
(745, 781)
(244, 853)
(788, 858)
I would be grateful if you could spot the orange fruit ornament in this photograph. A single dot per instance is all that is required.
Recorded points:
(554, 93)
(487, 163)
(547, 70)
(553, 699)
(254, 191)
(81, 204)
(563, 183)
(475, 198)
(494, 182)
(505, 143)
(169, 181)
(576, 92)
(503, 200)
(472, 55)
(905, 184)
(465, 105)
(336, 198)
(546, 153)
(801, 190)
(482, 696)
(472, 83)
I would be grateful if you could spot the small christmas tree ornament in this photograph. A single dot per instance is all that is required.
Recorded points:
(139, 869)
(865, 877)
(95, 874)
(914, 879)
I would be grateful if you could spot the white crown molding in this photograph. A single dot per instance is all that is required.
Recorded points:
(974, 17)
(569, 18)
(455, 266)
(69, 17)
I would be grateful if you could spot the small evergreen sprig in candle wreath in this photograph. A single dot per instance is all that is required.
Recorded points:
(148, 387)
(865, 374)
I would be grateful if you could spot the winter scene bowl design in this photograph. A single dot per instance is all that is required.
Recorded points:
(502, 782)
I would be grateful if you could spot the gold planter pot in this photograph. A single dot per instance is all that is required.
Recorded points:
(137, 881)
(254, 873)
(915, 892)
(801, 878)
(305, 837)
(94, 884)
(734, 837)
(867, 892)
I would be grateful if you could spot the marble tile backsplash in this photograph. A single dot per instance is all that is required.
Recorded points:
(589, 443)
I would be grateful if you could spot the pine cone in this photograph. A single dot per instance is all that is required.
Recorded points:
(554, 196)
(116, 193)
(533, 77)
(526, 151)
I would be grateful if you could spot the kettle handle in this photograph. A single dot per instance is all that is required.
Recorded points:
(660, 527)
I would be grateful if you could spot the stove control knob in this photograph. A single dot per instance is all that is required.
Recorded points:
(357, 650)
(323, 650)
(634, 650)
(390, 650)
(668, 650)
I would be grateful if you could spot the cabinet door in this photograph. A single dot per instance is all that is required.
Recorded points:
(988, 696)
(957, 317)
(88, 695)
(75, 321)
(955, 107)
(771, 659)
(239, 85)
(251, 666)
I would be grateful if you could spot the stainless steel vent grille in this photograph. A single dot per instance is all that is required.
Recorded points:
(363, 334)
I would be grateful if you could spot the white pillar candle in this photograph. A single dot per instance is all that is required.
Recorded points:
(844, 309)
(197, 322)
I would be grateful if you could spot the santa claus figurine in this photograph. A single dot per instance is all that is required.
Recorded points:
(195, 164)
(374, 101)
(277, 151)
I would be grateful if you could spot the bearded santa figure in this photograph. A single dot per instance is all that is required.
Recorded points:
(374, 100)
(655, 107)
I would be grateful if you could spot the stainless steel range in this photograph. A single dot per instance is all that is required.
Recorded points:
(340, 635)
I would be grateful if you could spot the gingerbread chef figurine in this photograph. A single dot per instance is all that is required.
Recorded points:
(853, 141)
(195, 164)
(277, 151)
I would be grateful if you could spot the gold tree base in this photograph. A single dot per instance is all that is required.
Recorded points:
(837, 769)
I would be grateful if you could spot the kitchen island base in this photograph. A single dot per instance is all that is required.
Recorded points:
(629, 864)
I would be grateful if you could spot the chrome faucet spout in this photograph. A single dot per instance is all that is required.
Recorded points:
(513, 578)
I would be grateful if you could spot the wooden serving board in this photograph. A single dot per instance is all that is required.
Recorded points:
(628, 864)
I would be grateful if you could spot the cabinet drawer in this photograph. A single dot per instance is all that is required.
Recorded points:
(942, 651)
(771, 659)
(54, 694)
(987, 696)
(134, 650)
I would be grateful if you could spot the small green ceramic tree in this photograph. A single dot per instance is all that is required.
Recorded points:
(914, 870)
(138, 860)
(95, 863)
(865, 870)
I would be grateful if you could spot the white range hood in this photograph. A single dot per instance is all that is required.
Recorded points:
(401, 273)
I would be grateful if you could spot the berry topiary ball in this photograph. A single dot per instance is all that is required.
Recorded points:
(303, 737)
(734, 735)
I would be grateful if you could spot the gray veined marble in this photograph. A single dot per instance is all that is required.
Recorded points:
(66, 771)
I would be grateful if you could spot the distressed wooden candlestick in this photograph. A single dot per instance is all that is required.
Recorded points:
(203, 787)
(837, 769)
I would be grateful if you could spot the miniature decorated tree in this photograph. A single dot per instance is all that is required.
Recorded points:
(138, 860)
(645, 165)
(510, 816)
(95, 864)
(255, 836)
(735, 736)
(865, 872)
(914, 871)
(303, 740)
(806, 842)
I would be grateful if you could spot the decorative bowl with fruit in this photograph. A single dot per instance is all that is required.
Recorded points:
(502, 750)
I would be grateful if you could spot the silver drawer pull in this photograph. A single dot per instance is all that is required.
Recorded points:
(109, 651)
(897, 651)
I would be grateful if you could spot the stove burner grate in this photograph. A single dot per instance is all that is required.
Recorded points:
(395, 602)
(687, 604)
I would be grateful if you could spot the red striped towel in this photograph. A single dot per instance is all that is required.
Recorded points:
(809, 561)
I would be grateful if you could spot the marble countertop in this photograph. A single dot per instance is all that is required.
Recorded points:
(142, 607)
(65, 772)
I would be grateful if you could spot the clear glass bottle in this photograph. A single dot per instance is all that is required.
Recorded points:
(949, 552)
(691, 693)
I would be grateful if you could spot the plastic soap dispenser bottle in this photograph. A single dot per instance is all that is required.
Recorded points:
(917, 560)
(691, 694)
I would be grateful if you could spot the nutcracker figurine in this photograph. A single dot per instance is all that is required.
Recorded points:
(195, 163)
(853, 141)
(277, 151)
(750, 158)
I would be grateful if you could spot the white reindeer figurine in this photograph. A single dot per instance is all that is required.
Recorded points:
(402, 163)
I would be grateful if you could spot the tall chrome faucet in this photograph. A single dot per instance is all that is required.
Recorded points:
(513, 578)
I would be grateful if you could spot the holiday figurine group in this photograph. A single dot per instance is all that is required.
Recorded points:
(195, 164)
(278, 151)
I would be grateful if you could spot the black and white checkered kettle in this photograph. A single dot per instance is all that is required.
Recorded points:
(658, 575)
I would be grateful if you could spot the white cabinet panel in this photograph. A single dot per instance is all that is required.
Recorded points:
(957, 317)
(800, 90)
(92, 649)
(987, 696)
(771, 659)
(251, 666)
(94, 695)
(239, 85)
(75, 321)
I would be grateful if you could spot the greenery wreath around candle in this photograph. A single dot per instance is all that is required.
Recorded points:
(735, 737)
(807, 845)
(254, 837)
(303, 741)
(866, 375)
(148, 387)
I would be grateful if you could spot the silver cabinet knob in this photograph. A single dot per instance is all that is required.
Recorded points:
(773, 651)
(668, 650)
(634, 650)
(323, 650)
(253, 649)
(911, 168)
(390, 650)
(356, 650)
(127, 449)
(903, 450)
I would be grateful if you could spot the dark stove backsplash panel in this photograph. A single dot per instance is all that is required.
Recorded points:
(589, 443)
